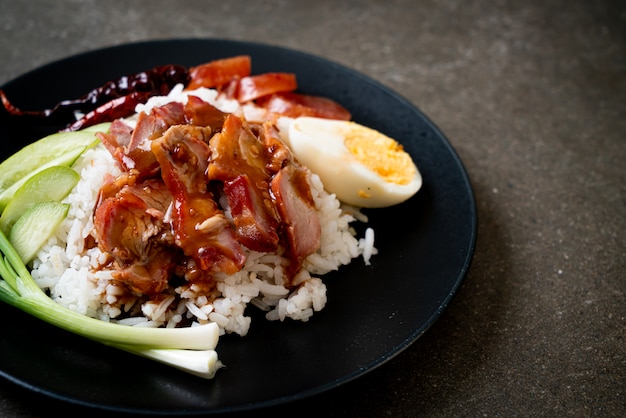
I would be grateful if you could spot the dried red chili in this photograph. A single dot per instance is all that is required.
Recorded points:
(134, 88)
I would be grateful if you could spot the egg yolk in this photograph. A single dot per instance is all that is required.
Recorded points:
(379, 153)
(360, 165)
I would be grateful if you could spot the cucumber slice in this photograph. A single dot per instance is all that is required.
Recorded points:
(42, 152)
(35, 226)
(66, 159)
(50, 184)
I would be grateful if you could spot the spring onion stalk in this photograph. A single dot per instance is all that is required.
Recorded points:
(190, 348)
(202, 363)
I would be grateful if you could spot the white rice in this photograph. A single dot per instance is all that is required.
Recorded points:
(67, 270)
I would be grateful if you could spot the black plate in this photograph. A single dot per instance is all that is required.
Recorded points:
(373, 312)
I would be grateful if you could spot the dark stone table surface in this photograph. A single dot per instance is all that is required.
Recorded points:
(532, 95)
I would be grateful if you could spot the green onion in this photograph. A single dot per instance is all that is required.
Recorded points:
(203, 363)
(190, 349)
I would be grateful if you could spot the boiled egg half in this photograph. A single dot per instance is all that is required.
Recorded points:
(360, 165)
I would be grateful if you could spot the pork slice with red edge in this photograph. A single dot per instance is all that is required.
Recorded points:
(200, 227)
(131, 227)
(300, 220)
(240, 160)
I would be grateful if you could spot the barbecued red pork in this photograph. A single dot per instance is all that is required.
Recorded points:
(200, 227)
(131, 227)
(128, 146)
(301, 224)
(268, 191)
(238, 159)
(174, 159)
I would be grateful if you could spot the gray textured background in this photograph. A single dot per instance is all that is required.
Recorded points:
(532, 95)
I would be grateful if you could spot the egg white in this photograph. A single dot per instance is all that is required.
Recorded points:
(319, 144)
